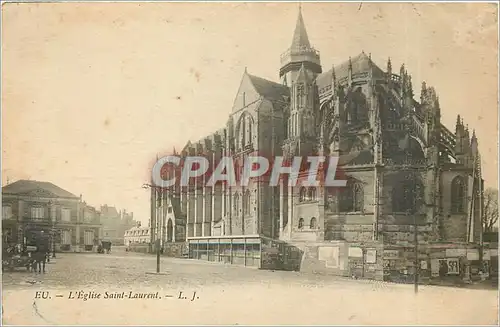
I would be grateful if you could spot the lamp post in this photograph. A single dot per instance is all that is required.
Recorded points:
(158, 222)
(53, 230)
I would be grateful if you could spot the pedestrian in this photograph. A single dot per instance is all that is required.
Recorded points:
(443, 268)
(41, 256)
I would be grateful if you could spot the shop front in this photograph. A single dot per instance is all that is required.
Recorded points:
(247, 250)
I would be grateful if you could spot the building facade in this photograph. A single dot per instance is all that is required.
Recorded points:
(115, 223)
(410, 178)
(137, 235)
(31, 206)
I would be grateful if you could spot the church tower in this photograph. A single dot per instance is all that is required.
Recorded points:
(301, 120)
(299, 54)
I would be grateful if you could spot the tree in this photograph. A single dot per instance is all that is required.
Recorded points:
(490, 214)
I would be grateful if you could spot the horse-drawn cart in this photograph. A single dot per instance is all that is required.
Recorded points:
(105, 246)
(15, 257)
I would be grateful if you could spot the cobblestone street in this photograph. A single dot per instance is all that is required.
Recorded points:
(225, 295)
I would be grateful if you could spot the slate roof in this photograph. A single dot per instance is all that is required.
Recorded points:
(270, 90)
(24, 186)
(360, 64)
(109, 211)
(300, 39)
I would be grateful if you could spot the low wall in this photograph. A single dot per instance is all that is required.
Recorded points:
(140, 247)
(75, 248)
(449, 263)
(342, 259)
(175, 250)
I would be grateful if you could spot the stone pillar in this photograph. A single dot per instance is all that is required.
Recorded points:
(290, 212)
(174, 228)
(216, 205)
(77, 238)
(199, 204)
(190, 211)
(19, 226)
(207, 209)
(376, 202)
(282, 210)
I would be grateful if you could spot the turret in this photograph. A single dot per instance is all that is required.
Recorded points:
(349, 73)
(300, 53)
(430, 107)
(303, 103)
(423, 92)
(389, 71)
(460, 144)
(333, 81)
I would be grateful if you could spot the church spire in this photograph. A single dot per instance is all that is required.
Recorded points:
(300, 52)
(300, 39)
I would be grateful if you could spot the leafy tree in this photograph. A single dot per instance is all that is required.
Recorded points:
(490, 214)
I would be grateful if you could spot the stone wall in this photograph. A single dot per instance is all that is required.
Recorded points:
(342, 259)
(175, 250)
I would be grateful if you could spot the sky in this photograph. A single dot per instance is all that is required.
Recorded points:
(92, 92)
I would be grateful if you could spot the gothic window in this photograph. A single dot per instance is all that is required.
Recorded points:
(300, 90)
(301, 223)
(313, 223)
(6, 212)
(250, 127)
(311, 194)
(302, 194)
(353, 112)
(457, 195)
(246, 203)
(296, 125)
(358, 197)
(243, 132)
(406, 194)
(236, 204)
(351, 197)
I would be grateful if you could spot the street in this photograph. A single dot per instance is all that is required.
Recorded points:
(122, 288)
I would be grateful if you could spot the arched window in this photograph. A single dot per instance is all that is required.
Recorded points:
(301, 223)
(302, 194)
(246, 203)
(313, 224)
(351, 197)
(406, 194)
(311, 194)
(250, 127)
(243, 132)
(170, 231)
(457, 195)
(236, 204)
(358, 197)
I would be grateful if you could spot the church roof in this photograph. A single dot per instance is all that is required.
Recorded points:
(360, 64)
(300, 38)
(268, 89)
(24, 186)
(109, 211)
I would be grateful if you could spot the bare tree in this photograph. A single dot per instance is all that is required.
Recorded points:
(490, 214)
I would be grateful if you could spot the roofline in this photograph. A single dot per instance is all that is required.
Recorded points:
(42, 197)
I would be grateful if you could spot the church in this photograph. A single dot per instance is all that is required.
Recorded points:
(410, 179)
